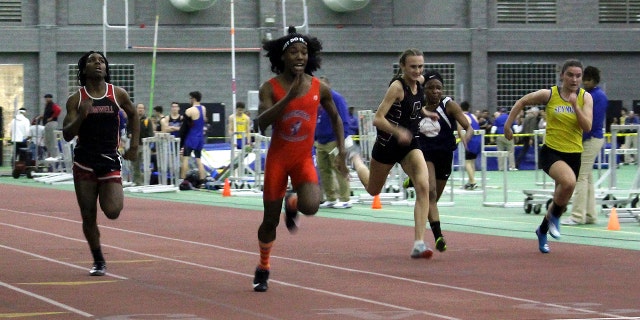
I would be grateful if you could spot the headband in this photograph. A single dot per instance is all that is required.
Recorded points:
(292, 41)
(433, 75)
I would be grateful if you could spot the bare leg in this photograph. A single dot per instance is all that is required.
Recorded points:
(470, 166)
(111, 197)
(202, 174)
(372, 178)
(87, 196)
(416, 168)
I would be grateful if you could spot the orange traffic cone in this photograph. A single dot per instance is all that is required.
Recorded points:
(226, 192)
(376, 202)
(614, 224)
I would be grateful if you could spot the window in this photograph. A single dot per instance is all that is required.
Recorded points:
(122, 75)
(514, 80)
(446, 70)
(10, 11)
(526, 11)
(619, 11)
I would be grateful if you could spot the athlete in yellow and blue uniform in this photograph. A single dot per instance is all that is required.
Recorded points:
(569, 112)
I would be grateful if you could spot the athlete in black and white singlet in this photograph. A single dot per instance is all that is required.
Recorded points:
(98, 137)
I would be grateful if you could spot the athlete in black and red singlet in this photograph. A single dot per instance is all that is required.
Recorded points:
(93, 116)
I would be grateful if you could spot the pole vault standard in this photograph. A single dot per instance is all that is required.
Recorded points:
(153, 67)
(105, 25)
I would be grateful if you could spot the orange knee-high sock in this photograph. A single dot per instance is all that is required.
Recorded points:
(265, 253)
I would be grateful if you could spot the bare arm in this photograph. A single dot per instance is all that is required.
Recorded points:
(75, 116)
(453, 108)
(394, 93)
(540, 97)
(133, 124)
(584, 114)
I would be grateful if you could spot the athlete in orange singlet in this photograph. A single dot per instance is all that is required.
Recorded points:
(289, 102)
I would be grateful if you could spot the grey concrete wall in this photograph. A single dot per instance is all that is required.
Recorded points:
(359, 47)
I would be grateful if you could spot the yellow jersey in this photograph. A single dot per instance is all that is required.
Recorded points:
(242, 124)
(563, 132)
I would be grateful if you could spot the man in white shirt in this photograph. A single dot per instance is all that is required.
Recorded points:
(19, 128)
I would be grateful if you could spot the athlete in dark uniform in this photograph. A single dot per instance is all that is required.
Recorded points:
(438, 145)
(93, 116)
(395, 121)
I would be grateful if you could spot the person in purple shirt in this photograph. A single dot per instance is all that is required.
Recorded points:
(502, 143)
(584, 199)
(325, 143)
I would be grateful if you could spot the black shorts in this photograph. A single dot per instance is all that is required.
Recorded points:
(186, 152)
(547, 157)
(100, 164)
(442, 161)
(468, 155)
(391, 152)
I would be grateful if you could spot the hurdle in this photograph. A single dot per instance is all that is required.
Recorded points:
(463, 170)
(606, 196)
(168, 164)
(504, 203)
(244, 180)
(392, 191)
(62, 167)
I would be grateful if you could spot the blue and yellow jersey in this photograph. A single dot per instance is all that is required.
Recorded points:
(563, 132)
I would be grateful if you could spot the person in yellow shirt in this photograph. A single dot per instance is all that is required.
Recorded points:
(239, 126)
(569, 110)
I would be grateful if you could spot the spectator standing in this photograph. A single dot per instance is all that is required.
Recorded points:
(502, 143)
(146, 131)
(50, 121)
(192, 136)
(156, 118)
(473, 147)
(325, 143)
(584, 197)
(172, 123)
(530, 124)
(239, 126)
(20, 130)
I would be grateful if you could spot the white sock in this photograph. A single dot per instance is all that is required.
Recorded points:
(417, 243)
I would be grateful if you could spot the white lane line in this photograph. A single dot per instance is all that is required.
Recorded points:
(47, 300)
(479, 292)
(51, 259)
(336, 294)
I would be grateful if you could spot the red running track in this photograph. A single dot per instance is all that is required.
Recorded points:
(169, 260)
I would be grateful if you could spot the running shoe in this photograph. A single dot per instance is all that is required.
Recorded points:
(407, 183)
(421, 251)
(98, 269)
(341, 205)
(441, 245)
(327, 204)
(291, 212)
(542, 241)
(261, 280)
(569, 222)
(554, 226)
